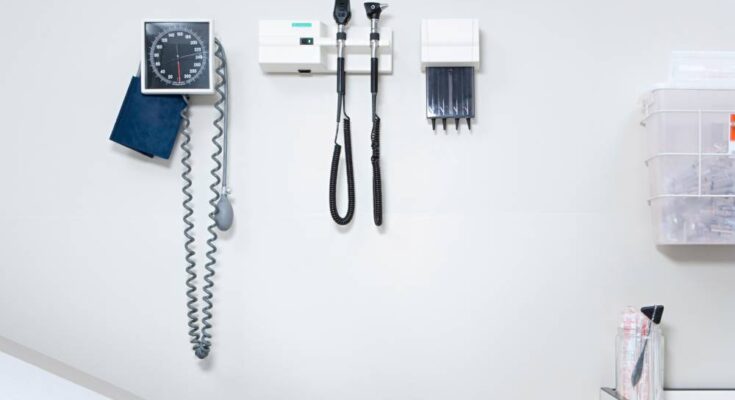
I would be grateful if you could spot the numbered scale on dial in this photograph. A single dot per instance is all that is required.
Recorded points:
(177, 57)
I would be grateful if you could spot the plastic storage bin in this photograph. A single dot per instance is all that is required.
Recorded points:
(691, 164)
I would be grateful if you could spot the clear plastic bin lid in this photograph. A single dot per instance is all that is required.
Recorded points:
(701, 70)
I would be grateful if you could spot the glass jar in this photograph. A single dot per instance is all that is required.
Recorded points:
(630, 344)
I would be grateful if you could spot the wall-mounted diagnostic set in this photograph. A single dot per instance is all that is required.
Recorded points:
(182, 58)
(450, 55)
(309, 47)
(178, 60)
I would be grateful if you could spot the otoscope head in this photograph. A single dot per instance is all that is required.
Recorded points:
(374, 9)
(342, 13)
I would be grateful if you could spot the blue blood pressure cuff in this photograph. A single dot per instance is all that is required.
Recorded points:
(148, 123)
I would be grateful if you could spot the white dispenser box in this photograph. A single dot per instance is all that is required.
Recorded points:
(450, 42)
(690, 137)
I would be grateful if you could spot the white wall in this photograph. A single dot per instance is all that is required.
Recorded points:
(507, 253)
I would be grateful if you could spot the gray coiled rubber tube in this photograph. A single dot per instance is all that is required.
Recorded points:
(225, 214)
(189, 211)
(200, 336)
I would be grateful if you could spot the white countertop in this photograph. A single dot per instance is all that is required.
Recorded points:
(20, 380)
(681, 394)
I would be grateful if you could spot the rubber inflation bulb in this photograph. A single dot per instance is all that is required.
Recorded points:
(224, 215)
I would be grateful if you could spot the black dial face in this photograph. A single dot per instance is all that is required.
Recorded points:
(177, 55)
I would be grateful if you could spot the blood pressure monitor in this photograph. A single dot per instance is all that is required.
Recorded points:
(177, 57)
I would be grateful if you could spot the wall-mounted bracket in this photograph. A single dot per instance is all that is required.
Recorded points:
(287, 46)
(450, 55)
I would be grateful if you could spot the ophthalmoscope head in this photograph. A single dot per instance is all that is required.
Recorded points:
(373, 10)
(342, 13)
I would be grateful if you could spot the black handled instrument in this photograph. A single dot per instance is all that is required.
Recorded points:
(342, 15)
(373, 11)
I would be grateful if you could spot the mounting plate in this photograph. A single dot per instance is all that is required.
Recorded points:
(287, 46)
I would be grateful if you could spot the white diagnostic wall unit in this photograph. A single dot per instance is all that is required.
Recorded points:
(287, 46)
(450, 55)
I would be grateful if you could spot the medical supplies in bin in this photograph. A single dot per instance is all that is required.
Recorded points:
(691, 145)
(690, 136)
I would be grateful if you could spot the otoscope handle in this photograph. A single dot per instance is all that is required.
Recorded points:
(374, 75)
(341, 75)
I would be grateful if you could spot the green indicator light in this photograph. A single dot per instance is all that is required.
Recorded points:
(300, 24)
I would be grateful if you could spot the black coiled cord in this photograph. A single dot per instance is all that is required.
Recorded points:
(350, 177)
(377, 182)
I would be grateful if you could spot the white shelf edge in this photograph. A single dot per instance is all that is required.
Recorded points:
(679, 394)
